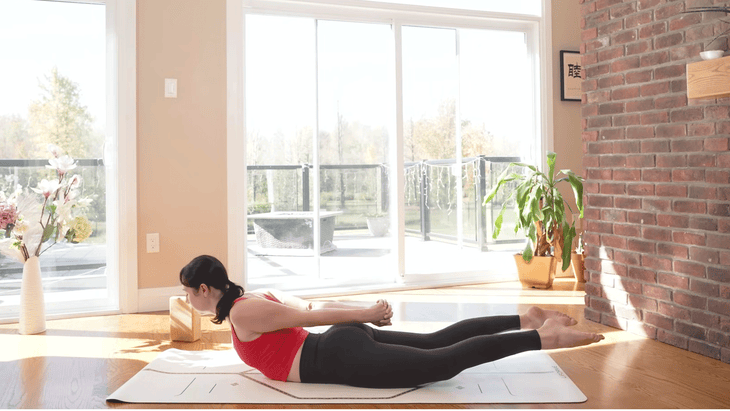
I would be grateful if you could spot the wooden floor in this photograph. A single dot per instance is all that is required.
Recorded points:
(77, 363)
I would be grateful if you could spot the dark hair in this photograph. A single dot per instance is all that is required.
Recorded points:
(210, 271)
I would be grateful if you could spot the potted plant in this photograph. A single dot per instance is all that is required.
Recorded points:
(542, 216)
(378, 224)
(577, 260)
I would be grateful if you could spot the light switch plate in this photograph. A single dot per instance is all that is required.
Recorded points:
(171, 87)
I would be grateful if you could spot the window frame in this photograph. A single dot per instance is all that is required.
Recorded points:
(120, 165)
(122, 135)
(537, 29)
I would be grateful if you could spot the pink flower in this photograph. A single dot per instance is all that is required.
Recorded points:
(8, 215)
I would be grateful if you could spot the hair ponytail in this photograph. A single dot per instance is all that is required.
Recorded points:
(209, 270)
(223, 309)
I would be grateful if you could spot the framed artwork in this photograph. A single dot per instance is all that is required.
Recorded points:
(571, 75)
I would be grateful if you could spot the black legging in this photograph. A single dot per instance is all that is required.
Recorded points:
(362, 356)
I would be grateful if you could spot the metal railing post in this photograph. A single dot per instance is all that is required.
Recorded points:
(481, 210)
(305, 187)
(425, 213)
(384, 188)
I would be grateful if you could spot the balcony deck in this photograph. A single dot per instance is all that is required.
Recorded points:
(363, 260)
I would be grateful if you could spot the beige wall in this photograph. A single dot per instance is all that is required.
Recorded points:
(181, 143)
(566, 114)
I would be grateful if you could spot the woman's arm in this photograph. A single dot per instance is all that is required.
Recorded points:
(260, 316)
(298, 303)
(324, 305)
(286, 298)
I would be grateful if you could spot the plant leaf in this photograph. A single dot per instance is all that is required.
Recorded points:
(527, 252)
(532, 236)
(568, 236)
(577, 186)
(48, 232)
(530, 166)
(503, 179)
(498, 221)
(521, 197)
(537, 213)
(551, 165)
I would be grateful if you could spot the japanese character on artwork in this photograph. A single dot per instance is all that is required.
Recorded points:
(574, 70)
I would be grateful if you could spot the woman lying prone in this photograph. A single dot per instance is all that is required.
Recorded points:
(268, 334)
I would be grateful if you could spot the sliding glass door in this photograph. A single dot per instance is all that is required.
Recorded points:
(430, 96)
(280, 123)
(356, 127)
(466, 93)
(319, 121)
(371, 140)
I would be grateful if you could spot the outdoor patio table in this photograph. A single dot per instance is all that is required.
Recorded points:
(294, 229)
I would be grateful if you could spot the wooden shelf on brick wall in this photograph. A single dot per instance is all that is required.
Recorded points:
(709, 79)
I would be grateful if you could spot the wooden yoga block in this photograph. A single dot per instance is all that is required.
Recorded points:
(184, 321)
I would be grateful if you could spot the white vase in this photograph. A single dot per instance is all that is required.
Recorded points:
(32, 304)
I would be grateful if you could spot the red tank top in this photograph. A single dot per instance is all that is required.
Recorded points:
(271, 353)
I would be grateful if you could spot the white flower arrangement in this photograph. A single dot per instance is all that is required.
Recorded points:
(28, 224)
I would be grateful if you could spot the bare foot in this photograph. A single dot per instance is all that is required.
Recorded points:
(556, 335)
(536, 317)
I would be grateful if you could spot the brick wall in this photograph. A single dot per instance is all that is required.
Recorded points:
(657, 169)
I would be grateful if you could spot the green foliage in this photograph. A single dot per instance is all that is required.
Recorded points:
(435, 137)
(58, 117)
(259, 208)
(540, 208)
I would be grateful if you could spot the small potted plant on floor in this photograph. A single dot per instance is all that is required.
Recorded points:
(541, 215)
(577, 260)
(378, 224)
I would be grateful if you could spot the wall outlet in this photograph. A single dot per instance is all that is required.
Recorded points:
(153, 243)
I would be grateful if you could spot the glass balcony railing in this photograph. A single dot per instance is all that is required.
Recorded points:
(362, 190)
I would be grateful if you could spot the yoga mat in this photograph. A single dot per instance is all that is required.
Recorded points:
(220, 377)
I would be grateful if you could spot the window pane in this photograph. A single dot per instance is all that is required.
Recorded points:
(280, 100)
(53, 82)
(494, 68)
(355, 110)
(532, 7)
(490, 80)
(430, 90)
(495, 72)
(356, 118)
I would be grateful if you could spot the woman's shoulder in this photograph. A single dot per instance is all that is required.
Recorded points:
(240, 317)
(245, 309)
(247, 297)
(240, 308)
